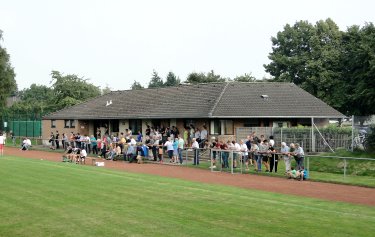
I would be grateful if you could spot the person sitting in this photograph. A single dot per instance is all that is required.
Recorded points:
(295, 174)
(111, 154)
(82, 156)
(76, 154)
(26, 144)
(67, 154)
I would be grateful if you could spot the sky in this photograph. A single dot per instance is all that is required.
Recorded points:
(113, 42)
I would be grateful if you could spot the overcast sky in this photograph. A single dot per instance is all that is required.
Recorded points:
(116, 42)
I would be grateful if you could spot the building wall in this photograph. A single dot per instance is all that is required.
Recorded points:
(60, 126)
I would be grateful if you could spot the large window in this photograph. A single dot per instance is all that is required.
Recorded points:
(53, 123)
(135, 125)
(215, 127)
(221, 127)
(228, 127)
(69, 123)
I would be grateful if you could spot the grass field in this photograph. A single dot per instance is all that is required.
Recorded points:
(330, 177)
(42, 198)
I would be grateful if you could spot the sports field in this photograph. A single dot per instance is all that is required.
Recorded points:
(44, 198)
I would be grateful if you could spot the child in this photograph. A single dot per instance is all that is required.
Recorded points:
(292, 174)
(160, 153)
(82, 158)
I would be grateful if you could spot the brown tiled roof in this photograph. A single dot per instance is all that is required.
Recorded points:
(228, 99)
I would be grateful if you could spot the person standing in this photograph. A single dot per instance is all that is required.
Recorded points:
(52, 141)
(195, 147)
(94, 144)
(88, 144)
(285, 153)
(186, 135)
(257, 157)
(203, 137)
(2, 143)
(64, 141)
(155, 146)
(263, 149)
(181, 144)
(169, 145)
(299, 155)
(274, 159)
(245, 154)
(57, 137)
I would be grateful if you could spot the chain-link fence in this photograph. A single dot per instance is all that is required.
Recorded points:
(353, 133)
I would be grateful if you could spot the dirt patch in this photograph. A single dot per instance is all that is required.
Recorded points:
(327, 191)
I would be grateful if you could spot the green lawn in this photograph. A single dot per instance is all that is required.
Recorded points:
(42, 198)
(330, 177)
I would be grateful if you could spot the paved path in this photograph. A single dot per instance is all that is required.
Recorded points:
(326, 191)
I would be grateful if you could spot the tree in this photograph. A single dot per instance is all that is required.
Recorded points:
(245, 78)
(156, 81)
(136, 86)
(106, 89)
(309, 56)
(7, 76)
(71, 89)
(210, 77)
(358, 70)
(37, 100)
(172, 80)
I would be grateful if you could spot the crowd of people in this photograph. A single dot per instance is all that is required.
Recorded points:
(257, 152)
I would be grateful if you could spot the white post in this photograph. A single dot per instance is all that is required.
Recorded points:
(352, 133)
(312, 135)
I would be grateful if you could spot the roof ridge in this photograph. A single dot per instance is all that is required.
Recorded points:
(218, 99)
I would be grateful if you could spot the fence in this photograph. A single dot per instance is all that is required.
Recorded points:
(350, 170)
(21, 124)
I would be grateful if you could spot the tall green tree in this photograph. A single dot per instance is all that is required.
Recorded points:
(71, 89)
(136, 86)
(156, 81)
(172, 80)
(309, 56)
(7, 76)
(358, 69)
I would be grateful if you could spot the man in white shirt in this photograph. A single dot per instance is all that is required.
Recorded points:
(181, 144)
(2, 143)
(195, 147)
(132, 141)
(83, 156)
(203, 136)
(170, 149)
(26, 144)
(285, 151)
(245, 154)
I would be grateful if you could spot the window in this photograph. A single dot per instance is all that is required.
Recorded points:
(135, 125)
(53, 123)
(252, 122)
(215, 127)
(228, 127)
(221, 127)
(69, 123)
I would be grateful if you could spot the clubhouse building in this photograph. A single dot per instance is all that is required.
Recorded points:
(225, 108)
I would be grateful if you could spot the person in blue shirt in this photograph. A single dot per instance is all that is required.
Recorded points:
(175, 150)
(139, 137)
